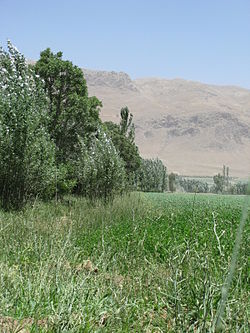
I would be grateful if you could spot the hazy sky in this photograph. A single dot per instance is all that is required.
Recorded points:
(204, 40)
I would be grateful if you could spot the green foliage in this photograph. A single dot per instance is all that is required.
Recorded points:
(193, 185)
(238, 188)
(100, 170)
(126, 125)
(27, 166)
(122, 136)
(88, 159)
(172, 182)
(219, 182)
(152, 176)
(73, 115)
(222, 182)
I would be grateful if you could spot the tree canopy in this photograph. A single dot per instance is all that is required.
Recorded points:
(122, 136)
(27, 159)
(72, 113)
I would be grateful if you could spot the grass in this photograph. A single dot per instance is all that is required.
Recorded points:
(146, 263)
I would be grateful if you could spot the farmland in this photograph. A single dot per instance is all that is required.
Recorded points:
(144, 263)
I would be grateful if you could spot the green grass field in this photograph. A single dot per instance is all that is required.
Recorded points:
(146, 263)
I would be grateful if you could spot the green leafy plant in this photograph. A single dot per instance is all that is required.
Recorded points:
(73, 116)
(100, 172)
(122, 136)
(27, 167)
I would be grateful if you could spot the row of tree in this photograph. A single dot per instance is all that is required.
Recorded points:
(151, 176)
(53, 142)
(222, 184)
(193, 185)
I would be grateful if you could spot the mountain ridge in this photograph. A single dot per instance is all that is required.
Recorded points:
(193, 127)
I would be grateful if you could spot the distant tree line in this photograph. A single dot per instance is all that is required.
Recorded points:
(222, 184)
(194, 186)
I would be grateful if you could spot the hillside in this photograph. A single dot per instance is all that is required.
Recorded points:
(193, 127)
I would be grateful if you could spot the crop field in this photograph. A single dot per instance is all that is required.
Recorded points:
(145, 263)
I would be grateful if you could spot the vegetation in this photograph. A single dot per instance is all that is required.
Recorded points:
(73, 115)
(172, 182)
(52, 141)
(152, 176)
(238, 188)
(136, 263)
(219, 182)
(193, 185)
(223, 184)
(123, 136)
(101, 172)
(144, 263)
(27, 155)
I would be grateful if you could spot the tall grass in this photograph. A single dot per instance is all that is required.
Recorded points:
(145, 263)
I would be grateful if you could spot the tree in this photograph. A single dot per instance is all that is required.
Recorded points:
(101, 172)
(122, 136)
(193, 185)
(27, 155)
(172, 180)
(126, 126)
(219, 182)
(152, 176)
(73, 115)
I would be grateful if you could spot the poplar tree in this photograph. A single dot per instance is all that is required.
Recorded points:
(27, 165)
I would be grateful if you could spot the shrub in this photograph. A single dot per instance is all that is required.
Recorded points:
(100, 170)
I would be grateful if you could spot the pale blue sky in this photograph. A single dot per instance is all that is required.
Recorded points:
(203, 40)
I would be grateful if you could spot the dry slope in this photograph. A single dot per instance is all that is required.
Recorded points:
(194, 128)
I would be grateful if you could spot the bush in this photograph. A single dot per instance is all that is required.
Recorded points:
(100, 170)
(27, 166)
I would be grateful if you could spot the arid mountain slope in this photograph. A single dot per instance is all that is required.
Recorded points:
(194, 128)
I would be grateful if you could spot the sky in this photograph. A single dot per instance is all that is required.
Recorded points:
(201, 40)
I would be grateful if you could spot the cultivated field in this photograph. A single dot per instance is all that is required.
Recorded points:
(146, 263)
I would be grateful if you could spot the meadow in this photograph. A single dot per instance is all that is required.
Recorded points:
(144, 263)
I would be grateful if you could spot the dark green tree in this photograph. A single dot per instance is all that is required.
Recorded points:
(126, 125)
(172, 182)
(72, 113)
(122, 136)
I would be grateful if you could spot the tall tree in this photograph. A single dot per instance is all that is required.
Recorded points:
(27, 165)
(122, 136)
(172, 182)
(72, 113)
(127, 128)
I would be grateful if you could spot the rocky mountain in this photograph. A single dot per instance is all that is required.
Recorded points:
(193, 127)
